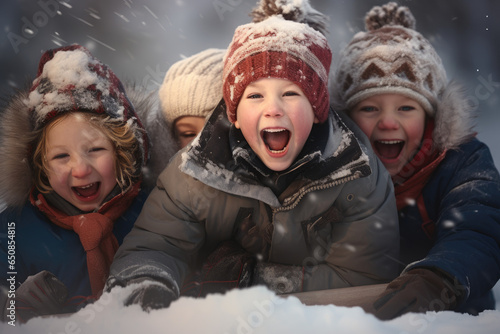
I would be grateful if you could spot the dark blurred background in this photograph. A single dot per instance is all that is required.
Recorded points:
(140, 39)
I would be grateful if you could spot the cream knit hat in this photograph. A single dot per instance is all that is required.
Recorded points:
(192, 86)
(390, 57)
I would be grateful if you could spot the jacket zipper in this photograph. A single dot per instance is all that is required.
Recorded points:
(302, 193)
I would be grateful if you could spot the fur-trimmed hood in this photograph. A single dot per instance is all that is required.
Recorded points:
(454, 118)
(162, 143)
(16, 133)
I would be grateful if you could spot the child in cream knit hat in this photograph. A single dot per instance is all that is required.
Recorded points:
(392, 83)
(192, 88)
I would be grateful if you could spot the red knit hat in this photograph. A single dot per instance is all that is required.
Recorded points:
(278, 48)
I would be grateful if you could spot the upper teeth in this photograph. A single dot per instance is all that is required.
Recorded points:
(390, 141)
(87, 186)
(274, 130)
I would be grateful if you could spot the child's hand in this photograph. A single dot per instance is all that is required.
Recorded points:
(152, 295)
(229, 266)
(40, 294)
(280, 278)
(418, 290)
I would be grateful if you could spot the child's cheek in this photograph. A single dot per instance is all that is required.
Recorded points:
(57, 174)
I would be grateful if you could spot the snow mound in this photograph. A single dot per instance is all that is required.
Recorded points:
(254, 310)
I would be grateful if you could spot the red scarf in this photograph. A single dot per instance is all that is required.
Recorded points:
(412, 178)
(95, 230)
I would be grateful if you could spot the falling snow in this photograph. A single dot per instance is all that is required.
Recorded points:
(133, 36)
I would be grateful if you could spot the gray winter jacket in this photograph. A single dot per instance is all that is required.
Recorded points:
(337, 221)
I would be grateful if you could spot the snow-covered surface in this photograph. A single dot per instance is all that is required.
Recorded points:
(255, 310)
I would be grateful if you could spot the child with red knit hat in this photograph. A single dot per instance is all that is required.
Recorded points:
(392, 83)
(72, 152)
(274, 172)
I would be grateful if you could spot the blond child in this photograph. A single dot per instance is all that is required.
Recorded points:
(73, 151)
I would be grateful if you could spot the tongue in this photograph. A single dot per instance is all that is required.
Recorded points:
(276, 140)
(389, 151)
(88, 191)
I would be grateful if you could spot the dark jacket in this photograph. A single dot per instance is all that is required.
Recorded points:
(41, 245)
(462, 233)
(336, 219)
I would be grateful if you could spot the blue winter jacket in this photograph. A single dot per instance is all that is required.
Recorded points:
(40, 245)
(462, 199)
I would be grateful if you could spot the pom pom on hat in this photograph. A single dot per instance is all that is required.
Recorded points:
(389, 14)
(279, 48)
(192, 86)
(296, 11)
(391, 58)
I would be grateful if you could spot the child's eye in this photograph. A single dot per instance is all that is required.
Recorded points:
(60, 156)
(254, 96)
(187, 134)
(96, 149)
(406, 108)
(367, 109)
(290, 93)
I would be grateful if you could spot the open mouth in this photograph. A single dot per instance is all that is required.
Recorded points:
(389, 149)
(88, 190)
(276, 140)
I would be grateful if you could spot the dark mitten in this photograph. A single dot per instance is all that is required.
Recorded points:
(229, 266)
(418, 290)
(40, 294)
(279, 278)
(152, 295)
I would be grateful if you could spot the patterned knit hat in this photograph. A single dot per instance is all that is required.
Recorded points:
(390, 57)
(279, 48)
(192, 86)
(71, 79)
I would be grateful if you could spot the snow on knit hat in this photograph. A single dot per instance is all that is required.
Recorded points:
(71, 79)
(390, 57)
(192, 86)
(278, 45)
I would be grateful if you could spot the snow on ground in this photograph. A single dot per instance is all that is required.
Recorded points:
(255, 310)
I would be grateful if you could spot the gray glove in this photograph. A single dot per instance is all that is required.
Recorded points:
(153, 296)
(40, 294)
(279, 278)
(419, 290)
(228, 267)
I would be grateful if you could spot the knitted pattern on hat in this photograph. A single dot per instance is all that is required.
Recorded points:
(192, 86)
(71, 79)
(279, 48)
(390, 57)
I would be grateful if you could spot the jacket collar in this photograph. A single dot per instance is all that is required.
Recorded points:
(216, 160)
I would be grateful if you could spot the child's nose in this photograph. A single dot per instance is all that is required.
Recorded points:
(388, 122)
(274, 108)
(80, 167)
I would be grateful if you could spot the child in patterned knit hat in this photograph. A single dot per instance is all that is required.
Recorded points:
(72, 154)
(392, 83)
(274, 173)
(192, 88)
